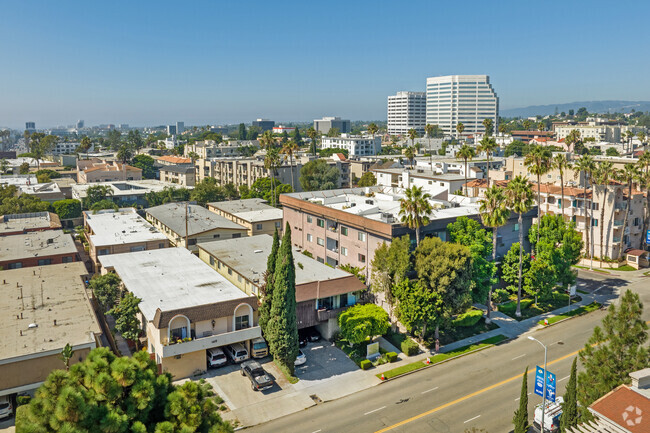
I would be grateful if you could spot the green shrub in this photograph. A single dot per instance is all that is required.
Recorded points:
(365, 364)
(511, 307)
(470, 318)
(410, 347)
(23, 399)
(392, 356)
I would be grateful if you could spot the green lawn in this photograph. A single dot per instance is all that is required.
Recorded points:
(577, 312)
(287, 374)
(595, 270)
(442, 357)
(461, 332)
(529, 309)
(625, 268)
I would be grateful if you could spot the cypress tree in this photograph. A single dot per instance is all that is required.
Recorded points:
(283, 323)
(297, 137)
(520, 419)
(569, 416)
(267, 289)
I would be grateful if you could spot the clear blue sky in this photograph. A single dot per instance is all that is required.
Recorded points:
(215, 62)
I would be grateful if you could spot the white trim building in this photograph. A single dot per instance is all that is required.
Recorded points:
(407, 110)
(354, 144)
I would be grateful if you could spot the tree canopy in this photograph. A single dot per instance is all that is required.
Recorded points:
(12, 203)
(317, 175)
(106, 289)
(367, 179)
(262, 188)
(146, 164)
(360, 322)
(68, 208)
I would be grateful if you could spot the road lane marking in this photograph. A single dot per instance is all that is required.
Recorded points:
(517, 357)
(564, 378)
(472, 419)
(368, 413)
(429, 390)
(519, 398)
(317, 431)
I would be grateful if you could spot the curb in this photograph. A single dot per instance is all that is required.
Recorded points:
(540, 326)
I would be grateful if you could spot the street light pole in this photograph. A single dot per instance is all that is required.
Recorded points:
(544, 387)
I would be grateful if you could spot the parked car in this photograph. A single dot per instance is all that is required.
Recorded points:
(260, 348)
(259, 378)
(216, 357)
(308, 335)
(552, 414)
(6, 408)
(237, 352)
(301, 358)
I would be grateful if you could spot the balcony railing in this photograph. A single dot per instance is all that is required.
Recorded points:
(616, 239)
(620, 206)
(324, 314)
(618, 223)
(212, 341)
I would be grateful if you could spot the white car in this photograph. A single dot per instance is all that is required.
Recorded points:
(6, 410)
(300, 359)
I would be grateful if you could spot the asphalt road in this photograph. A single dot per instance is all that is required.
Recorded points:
(479, 390)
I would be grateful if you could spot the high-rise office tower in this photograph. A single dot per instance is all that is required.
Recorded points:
(80, 124)
(180, 127)
(264, 124)
(326, 123)
(407, 110)
(30, 126)
(171, 129)
(466, 99)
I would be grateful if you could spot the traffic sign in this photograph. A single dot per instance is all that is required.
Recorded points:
(539, 381)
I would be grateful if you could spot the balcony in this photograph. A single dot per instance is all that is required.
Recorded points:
(620, 206)
(212, 341)
(325, 314)
(618, 223)
(616, 239)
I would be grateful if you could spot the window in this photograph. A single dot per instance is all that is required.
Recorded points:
(241, 322)
(559, 202)
(258, 226)
(103, 252)
(66, 259)
(229, 271)
(218, 264)
(16, 265)
(310, 238)
(320, 241)
(344, 251)
(211, 260)
(43, 262)
(239, 278)
(236, 235)
(362, 258)
(361, 236)
(217, 236)
(278, 224)
(594, 223)
(179, 333)
(320, 222)
(137, 248)
(191, 241)
(309, 220)
(161, 245)
(344, 231)
(320, 259)
(515, 228)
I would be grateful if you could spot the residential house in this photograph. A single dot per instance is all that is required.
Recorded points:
(108, 172)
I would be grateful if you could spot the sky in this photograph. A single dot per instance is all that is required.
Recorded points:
(218, 62)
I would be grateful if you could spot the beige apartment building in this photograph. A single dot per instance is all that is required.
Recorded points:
(254, 213)
(186, 308)
(212, 149)
(180, 175)
(107, 172)
(122, 231)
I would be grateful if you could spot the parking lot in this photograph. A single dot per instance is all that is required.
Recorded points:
(7, 425)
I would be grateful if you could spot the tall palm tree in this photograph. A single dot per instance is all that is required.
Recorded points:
(289, 149)
(413, 134)
(538, 161)
(428, 129)
(488, 145)
(267, 140)
(271, 161)
(561, 164)
(572, 139)
(602, 177)
(628, 175)
(460, 128)
(526, 124)
(502, 128)
(641, 136)
(644, 182)
(488, 124)
(465, 153)
(415, 209)
(643, 164)
(629, 135)
(313, 135)
(409, 153)
(372, 129)
(585, 165)
(541, 126)
(494, 213)
(519, 199)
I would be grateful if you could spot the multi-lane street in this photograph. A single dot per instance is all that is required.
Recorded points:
(479, 390)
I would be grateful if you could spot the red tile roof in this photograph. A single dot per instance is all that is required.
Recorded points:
(175, 159)
(625, 407)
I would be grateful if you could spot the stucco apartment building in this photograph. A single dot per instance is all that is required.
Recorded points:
(122, 231)
(322, 292)
(42, 248)
(180, 175)
(13, 224)
(254, 213)
(180, 220)
(106, 172)
(186, 308)
(43, 309)
(347, 226)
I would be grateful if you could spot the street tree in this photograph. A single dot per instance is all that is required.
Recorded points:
(419, 307)
(569, 416)
(317, 175)
(561, 164)
(289, 149)
(390, 266)
(627, 176)
(520, 420)
(489, 146)
(367, 179)
(267, 288)
(538, 162)
(586, 166)
(465, 153)
(360, 322)
(510, 267)
(415, 209)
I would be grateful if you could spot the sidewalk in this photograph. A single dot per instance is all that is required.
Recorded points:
(121, 343)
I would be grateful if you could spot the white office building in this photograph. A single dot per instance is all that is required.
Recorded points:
(354, 144)
(407, 110)
(466, 99)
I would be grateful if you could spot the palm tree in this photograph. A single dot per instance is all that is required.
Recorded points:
(541, 126)
(124, 154)
(644, 182)
(519, 199)
(465, 153)
(313, 135)
(572, 139)
(538, 161)
(643, 164)
(494, 213)
(289, 149)
(66, 355)
(460, 128)
(428, 129)
(602, 176)
(488, 124)
(502, 128)
(413, 134)
(372, 129)
(560, 163)
(415, 209)
(641, 136)
(526, 124)
(271, 161)
(629, 135)
(585, 165)
(488, 145)
(409, 153)
(628, 175)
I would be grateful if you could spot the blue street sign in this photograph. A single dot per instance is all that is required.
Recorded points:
(539, 381)
(550, 386)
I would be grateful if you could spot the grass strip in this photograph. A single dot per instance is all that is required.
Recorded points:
(595, 270)
(407, 368)
(287, 374)
(577, 312)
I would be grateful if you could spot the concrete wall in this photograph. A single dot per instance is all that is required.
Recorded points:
(33, 261)
(123, 248)
(186, 365)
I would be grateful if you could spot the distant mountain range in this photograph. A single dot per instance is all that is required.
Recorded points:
(591, 106)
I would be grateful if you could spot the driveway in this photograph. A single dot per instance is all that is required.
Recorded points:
(7, 425)
(324, 361)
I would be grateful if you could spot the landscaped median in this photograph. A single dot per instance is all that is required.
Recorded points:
(436, 359)
(577, 312)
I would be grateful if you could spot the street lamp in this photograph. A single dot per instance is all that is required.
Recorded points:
(530, 337)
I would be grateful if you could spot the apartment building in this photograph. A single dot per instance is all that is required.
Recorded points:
(326, 123)
(254, 213)
(516, 167)
(180, 175)
(122, 231)
(108, 172)
(599, 130)
(186, 307)
(466, 99)
(37, 248)
(355, 145)
(437, 185)
(68, 148)
(13, 224)
(322, 292)
(182, 222)
(43, 309)
(406, 111)
(174, 160)
(212, 149)
(527, 135)
(126, 193)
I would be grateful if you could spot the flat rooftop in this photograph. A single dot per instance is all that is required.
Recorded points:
(36, 244)
(54, 292)
(28, 221)
(199, 219)
(170, 279)
(124, 226)
(251, 209)
(126, 187)
(423, 173)
(248, 256)
(380, 203)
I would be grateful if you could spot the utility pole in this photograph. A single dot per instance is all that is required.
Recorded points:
(544, 387)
